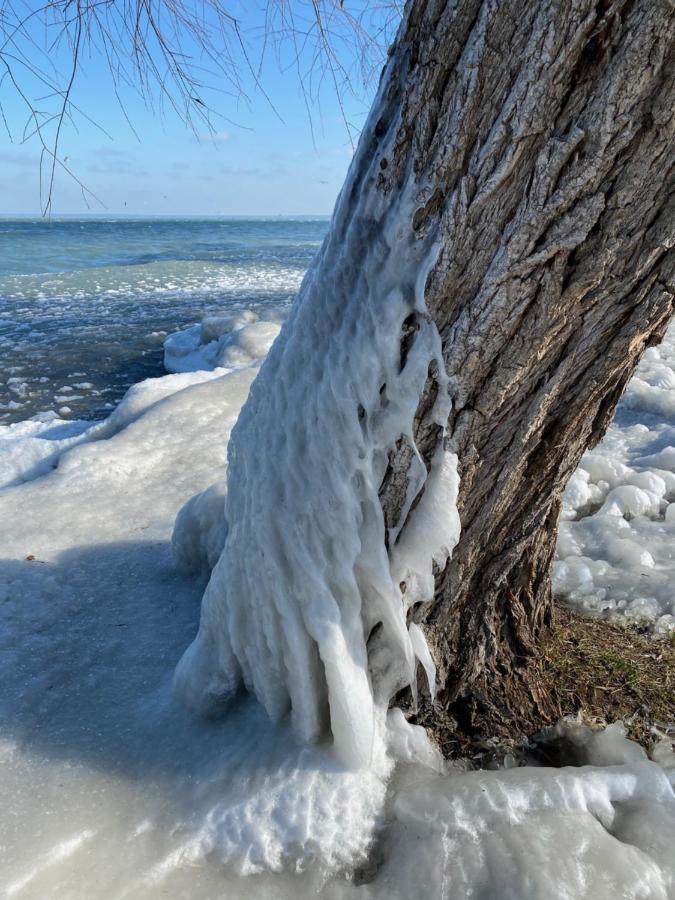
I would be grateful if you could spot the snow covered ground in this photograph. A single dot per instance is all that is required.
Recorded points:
(616, 547)
(111, 789)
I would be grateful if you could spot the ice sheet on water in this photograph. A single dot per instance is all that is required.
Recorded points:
(33, 447)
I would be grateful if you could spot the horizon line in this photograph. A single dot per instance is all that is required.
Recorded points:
(132, 215)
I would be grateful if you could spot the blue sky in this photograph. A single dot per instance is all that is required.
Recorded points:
(265, 159)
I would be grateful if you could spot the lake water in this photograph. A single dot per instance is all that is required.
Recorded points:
(85, 303)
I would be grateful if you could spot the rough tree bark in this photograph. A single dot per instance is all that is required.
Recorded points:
(545, 130)
(507, 217)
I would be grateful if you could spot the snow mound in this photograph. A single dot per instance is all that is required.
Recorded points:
(31, 448)
(616, 544)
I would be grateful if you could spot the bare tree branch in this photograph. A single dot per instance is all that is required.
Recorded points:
(177, 54)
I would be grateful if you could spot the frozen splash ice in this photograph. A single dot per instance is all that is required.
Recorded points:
(305, 576)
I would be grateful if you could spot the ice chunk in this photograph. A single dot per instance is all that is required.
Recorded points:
(664, 459)
(212, 328)
(410, 743)
(247, 345)
(228, 342)
(577, 494)
(200, 531)
(628, 500)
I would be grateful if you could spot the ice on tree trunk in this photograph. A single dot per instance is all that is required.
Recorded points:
(305, 576)
(522, 214)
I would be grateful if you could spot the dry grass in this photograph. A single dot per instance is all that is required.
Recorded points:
(588, 668)
(608, 673)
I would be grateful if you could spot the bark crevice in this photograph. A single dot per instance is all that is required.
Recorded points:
(542, 145)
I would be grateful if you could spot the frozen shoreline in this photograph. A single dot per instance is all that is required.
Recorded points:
(616, 547)
(111, 789)
(85, 305)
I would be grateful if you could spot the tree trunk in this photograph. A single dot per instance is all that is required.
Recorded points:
(545, 133)
(512, 194)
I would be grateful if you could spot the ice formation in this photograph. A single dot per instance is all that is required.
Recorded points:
(200, 531)
(111, 790)
(304, 577)
(226, 342)
(616, 544)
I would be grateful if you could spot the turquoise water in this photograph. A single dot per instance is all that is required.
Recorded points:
(85, 304)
